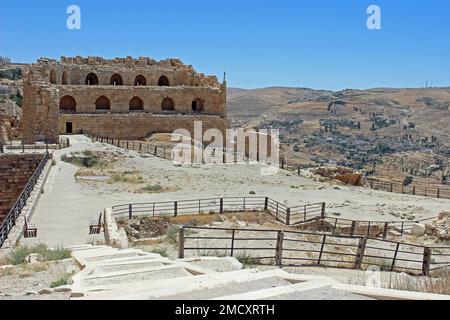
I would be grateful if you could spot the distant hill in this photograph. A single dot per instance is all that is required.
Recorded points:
(427, 108)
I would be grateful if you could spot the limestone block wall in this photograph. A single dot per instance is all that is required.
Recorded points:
(137, 125)
(15, 172)
(40, 112)
(152, 97)
(82, 94)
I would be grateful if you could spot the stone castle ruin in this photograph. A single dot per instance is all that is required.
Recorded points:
(123, 98)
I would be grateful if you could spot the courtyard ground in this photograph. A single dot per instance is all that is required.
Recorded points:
(69, 204)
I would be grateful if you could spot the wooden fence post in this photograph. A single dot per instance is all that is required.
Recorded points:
(394, 259)
(360, 252)
(288, 216)
(414, 190)
(266, 204)
(426, 261)
(175, 209)
(279, 249)
(438, 193)
(232, 241)
(323, 210)
(392, 187)
(221, 205)
(181, 243)
(321, 249)
(130, 211)
(299, 170)
(352, 231)
(385, 231)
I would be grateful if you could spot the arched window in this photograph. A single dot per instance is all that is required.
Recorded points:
(102, 103)
(53, 76)
(116, 80)
(163, 82)
(167, 105)
(198, 106)
(68, 103)
(140, 81)
(91, 79)
(136, 104)
(64, 78)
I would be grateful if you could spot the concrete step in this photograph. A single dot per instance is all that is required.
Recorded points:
(158, 289)
(269, 293)
(127, 266)
(136, 275)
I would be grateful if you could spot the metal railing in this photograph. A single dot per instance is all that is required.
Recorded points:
(414, 189)
(296, 249)
(10, 219)
(284, 214)
(10, 146)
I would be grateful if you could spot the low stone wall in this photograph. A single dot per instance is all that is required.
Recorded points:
(15, 172)
(113, 235)
(137, 126)
(16, 232)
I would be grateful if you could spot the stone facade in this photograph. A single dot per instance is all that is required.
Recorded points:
(120, 98)
(15, 172)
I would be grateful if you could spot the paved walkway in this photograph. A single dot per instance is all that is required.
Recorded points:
(65, 209)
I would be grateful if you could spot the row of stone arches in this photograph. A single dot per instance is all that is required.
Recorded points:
(68, 104)
(115, 80)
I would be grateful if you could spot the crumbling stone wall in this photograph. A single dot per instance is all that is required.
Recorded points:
(63, 97)
(15, 172)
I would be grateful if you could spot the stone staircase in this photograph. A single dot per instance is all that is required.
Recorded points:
(110, 274)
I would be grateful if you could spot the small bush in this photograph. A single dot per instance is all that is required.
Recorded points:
(407, 181)
(161, 251)
(64, 280)
(252, 192)
(19, 254)
(153, 188)
(246, 259)
(171, 234)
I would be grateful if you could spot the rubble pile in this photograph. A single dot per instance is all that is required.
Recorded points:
(440, 227)
(347, 176)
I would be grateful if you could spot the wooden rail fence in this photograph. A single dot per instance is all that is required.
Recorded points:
(295, 249)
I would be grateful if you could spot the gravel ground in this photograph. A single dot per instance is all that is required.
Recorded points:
(67, 206)
(25, 281)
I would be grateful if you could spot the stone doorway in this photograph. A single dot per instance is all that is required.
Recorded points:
(69, 127)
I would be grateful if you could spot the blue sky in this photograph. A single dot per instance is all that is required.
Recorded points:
(322, 44)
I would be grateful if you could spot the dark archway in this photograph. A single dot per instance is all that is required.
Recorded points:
(140, 81)
(198, 106)
(68, 103)
(53, 76)
(91, 79)
(64, 78)
(163, 82)
(116, 80)
(136, 104)
(168, 105)
(102, 103)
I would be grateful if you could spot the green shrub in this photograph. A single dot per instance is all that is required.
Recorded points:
(161, 251)
(246, 259)
(19, 254)
(171, 234)
(153, 188)
(61, 281)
